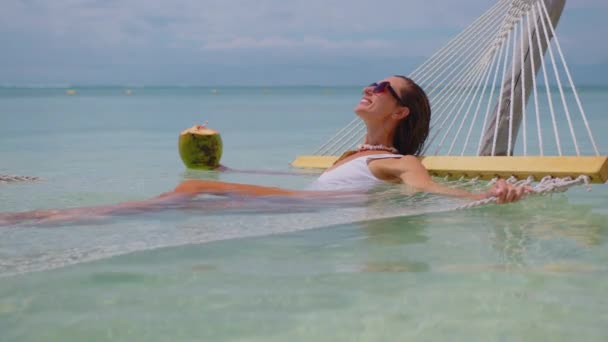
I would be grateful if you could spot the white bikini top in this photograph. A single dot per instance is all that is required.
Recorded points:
(354, 174)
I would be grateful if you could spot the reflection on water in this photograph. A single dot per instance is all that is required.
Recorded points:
(393, 232)
(540, 235)
(472, 274)
(83, 234)
(395, 266)
(538, 229)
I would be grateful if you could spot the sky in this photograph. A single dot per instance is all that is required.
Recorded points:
(254, 42)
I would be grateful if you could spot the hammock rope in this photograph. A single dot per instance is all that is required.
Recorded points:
(457, 80)
(479, 85)
(546, 186)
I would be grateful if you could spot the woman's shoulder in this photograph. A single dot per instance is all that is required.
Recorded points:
(405, 159)
(403, 163)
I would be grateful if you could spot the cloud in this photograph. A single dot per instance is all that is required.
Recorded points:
(118, 22)
(297, 43)
(86, 36)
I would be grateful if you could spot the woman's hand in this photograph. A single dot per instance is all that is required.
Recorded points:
(507, 193)
(412, 173)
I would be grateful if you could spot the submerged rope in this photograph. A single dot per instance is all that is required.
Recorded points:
(546, 186)
(15, 178)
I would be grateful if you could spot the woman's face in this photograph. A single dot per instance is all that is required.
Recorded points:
(380, 106)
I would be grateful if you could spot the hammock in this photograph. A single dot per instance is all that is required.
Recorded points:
(479, 85)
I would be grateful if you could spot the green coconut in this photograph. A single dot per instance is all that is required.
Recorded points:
(200, 147)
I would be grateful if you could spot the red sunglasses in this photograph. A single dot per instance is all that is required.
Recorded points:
(384, 86)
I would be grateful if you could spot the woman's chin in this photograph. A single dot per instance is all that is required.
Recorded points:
(361, 111)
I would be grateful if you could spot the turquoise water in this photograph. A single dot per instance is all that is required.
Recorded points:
(392, 269)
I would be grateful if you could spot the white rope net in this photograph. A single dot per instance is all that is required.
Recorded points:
(545, 186)
(479, 84)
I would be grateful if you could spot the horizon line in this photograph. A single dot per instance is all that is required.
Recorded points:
(169, 85)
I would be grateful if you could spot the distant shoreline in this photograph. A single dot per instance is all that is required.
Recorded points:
(124, 87)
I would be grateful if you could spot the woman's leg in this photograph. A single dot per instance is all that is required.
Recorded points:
(177, 198)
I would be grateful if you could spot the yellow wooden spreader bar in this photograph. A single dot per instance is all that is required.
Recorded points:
(489, 167)
(314, 162)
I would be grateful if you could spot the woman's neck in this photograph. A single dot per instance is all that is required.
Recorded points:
(379, 136)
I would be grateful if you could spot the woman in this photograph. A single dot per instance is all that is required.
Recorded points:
(397, 114)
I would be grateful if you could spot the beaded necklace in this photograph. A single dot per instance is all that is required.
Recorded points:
(380, 147)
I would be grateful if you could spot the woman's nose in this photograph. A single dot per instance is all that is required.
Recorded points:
(367, 90)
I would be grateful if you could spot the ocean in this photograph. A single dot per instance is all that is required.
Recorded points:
(394, 269)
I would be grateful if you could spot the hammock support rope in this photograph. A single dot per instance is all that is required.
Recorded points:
(497, 62)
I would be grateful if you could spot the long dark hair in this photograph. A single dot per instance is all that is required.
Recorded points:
(412, 131)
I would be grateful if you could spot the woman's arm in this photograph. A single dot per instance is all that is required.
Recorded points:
(412, 173)
(195, 187)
